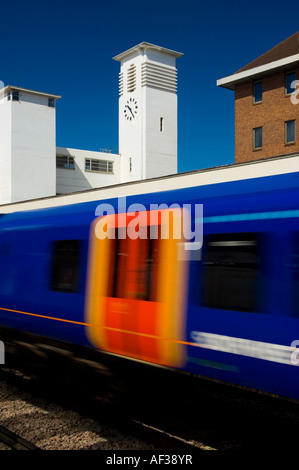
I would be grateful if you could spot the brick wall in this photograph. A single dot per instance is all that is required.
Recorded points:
(271, 114)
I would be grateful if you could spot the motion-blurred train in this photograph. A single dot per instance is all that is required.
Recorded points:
(228, 310)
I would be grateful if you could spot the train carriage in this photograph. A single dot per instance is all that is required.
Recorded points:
(228, 310)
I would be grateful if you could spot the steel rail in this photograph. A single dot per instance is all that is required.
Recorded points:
(14, 441)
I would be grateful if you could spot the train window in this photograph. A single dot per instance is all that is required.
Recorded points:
(292, 267)
(135, 269)
(230, 271)
(65, 266)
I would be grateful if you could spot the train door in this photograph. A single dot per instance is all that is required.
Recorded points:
(136, 289)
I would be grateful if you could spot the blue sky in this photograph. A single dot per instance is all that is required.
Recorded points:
(66, 48)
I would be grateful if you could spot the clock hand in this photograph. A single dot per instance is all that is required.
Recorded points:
(130, 110)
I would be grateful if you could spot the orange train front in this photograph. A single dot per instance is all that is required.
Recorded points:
(137, 287)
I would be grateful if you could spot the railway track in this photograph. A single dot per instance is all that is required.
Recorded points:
(163, 439)
(153, 436)
(14, 442)
(200, 415)
(191, 419)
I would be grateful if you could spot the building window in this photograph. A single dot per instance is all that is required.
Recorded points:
(65, 161)
(161, 124)
(258, 92)
(290, 78)
(290, 131)
(102, 166)
(65, 266)
(231, 272)
(257, 138)
(130, 164)
(13, 95)
(51, 102)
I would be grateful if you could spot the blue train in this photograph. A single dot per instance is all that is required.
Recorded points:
(228, 311)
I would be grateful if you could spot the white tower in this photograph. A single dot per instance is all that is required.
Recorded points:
(147, 112)
(27, 144)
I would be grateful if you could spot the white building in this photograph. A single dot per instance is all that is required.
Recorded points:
(78, 170)
(147, 112)
(27, 144)
(31, 166)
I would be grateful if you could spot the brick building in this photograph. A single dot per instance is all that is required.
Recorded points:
(266, 118)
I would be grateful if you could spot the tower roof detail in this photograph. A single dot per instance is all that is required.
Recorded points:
(144, 46)
(25, 90)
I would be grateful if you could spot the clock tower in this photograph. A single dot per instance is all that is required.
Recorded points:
(147, 112)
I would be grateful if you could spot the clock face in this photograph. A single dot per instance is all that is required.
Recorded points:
(130, 109)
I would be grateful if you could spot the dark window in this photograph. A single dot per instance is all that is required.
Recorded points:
(103, 166)
(65, 266)
(290, 131)
(15, 95)
(135, 269)
(65, 161)
(258, 92)
(5, 249)
(290, 78)
(292, 268)
(231, 272)
(257, 137)
(51, 102)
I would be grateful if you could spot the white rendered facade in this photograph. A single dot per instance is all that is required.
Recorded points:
(27, 144)
(32, 167)
(147, 112)
(78, 178)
